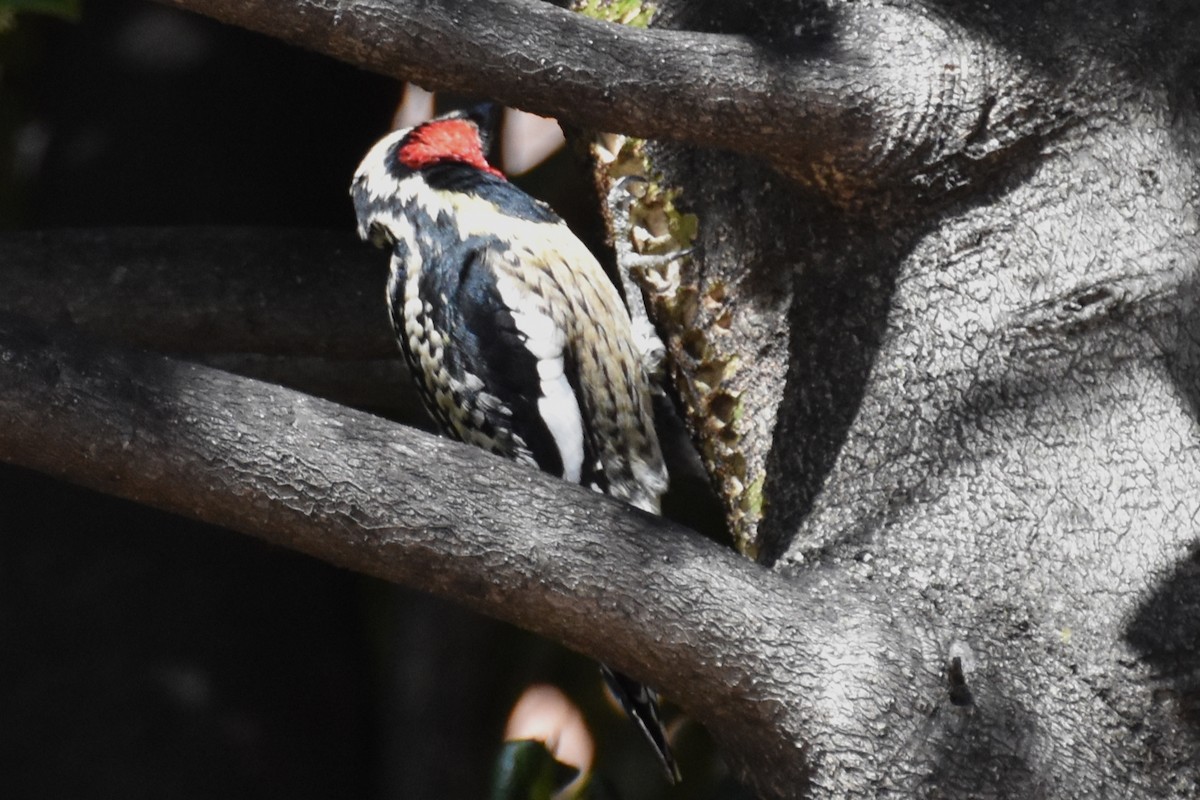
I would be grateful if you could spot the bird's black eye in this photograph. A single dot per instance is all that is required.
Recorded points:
(381, 236)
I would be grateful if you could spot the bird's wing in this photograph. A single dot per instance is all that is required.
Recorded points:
(606, 370)
(508, 341)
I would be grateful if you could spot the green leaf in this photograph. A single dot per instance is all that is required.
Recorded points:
(66, 9)
(526, 770)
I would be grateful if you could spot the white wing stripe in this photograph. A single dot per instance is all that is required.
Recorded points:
(558, 406)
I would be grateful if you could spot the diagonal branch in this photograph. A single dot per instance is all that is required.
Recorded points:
(338, 484)
(544, 58)
(653, 599)
(893, 90)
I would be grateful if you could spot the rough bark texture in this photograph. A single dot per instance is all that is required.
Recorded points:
(646, 596)
(815, 111)
(979, 400)
(966, 321)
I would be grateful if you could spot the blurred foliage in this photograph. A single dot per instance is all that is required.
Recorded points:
(526, 770)
(19, 49)
(65, 9)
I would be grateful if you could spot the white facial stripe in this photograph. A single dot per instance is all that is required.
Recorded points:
(379, 186)
(373, 168)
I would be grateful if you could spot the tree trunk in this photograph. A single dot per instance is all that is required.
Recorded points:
(935, 338)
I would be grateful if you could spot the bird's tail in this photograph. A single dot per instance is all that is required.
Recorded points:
(641, 704)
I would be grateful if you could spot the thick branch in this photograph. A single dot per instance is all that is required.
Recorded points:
(281, 292)
(897, 90)
(647, 596)
(543, 58)
(298, 307)
(338, 484)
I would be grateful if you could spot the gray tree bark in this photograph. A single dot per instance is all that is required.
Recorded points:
(936, 341)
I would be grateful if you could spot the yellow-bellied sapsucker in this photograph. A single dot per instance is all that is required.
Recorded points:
(516, 339)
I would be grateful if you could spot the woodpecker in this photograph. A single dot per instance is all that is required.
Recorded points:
(515, 337)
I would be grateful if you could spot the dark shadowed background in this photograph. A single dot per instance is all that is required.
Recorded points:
(143, 655)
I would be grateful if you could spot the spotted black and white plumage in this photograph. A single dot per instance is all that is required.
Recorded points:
(517, 340)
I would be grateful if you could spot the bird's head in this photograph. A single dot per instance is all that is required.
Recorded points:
(398, 167)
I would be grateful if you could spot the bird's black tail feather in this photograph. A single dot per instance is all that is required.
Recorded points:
(641, 704)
